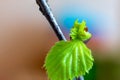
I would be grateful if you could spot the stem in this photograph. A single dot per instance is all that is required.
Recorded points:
(45, 9)
(80, 78)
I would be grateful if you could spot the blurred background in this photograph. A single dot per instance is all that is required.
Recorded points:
(26, 36)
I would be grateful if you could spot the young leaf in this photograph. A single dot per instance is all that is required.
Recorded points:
(69, 59)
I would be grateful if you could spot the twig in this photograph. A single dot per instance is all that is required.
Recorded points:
(45, 9)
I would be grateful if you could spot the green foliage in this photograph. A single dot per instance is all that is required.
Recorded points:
(69, 59)
(80, 31)
(92, 74)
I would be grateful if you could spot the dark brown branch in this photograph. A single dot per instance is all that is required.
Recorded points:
(45, 9)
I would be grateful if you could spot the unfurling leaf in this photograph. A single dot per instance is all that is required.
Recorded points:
(69, 59)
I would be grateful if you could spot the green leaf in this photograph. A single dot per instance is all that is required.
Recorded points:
(80, 31)
(67, 60)
(70, 59)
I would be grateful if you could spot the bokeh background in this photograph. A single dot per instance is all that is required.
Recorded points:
(26, 36)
